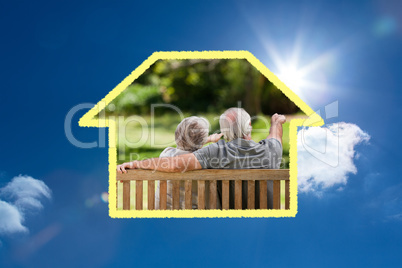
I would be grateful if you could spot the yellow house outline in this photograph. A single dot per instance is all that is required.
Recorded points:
(89, 120)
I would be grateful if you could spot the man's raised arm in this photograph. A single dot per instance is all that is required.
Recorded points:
(276, 130)
(182, 163)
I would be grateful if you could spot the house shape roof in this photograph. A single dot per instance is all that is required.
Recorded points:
(90, 120)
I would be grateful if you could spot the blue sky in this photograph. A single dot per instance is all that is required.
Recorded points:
(57, 55)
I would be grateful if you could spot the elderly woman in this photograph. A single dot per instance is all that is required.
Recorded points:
(238, 152)
(191, 134)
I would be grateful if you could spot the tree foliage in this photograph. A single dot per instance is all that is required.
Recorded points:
(203, 86)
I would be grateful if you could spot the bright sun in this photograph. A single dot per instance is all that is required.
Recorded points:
(307, 79)
(292, 77)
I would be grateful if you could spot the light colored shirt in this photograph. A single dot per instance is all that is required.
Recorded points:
(171, 152)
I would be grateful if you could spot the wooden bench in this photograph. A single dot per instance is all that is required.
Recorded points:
(211, 175)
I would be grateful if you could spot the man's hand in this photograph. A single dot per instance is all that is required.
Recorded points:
(122, 168)
(278, 118)
(276, 131)
(214, 137)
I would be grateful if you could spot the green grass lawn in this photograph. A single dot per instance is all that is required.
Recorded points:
(142, 139)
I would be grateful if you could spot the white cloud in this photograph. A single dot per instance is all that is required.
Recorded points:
(326, 154)
(26, 192)
(10, 219)
(20, 196)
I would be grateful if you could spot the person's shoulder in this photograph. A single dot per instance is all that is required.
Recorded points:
(271, 142)
(168, 152)
(219, 145)
(178, 152)
(211, 149)
(214, 144)
(241, 143)
(220, 142)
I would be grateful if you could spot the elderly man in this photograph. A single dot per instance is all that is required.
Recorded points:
(239, 152)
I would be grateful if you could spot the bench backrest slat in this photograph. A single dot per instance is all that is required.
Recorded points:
(207, 183)
(207, 174)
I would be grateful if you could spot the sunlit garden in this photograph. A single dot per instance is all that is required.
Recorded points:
(149, 110)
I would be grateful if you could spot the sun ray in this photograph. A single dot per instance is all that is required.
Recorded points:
(309, 79)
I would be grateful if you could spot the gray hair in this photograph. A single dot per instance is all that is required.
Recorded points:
(192, 133)
(235, 123)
